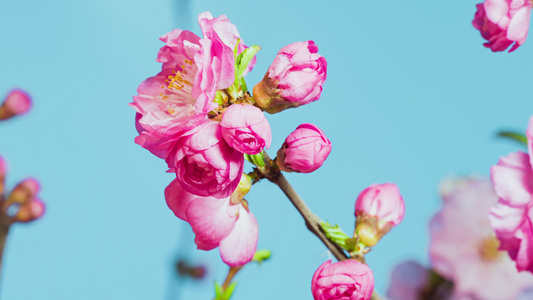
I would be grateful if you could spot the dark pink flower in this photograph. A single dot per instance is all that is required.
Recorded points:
(383, 201)
(503, 22)
(204, 164)
(17, 102)
(464, 248)
(512, 218)
(217, 223)
(245, 128)
(344, 280)
(295, 78)
(304, 150)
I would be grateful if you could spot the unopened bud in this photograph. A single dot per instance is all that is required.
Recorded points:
(29, 211)
(17, 102)
(378, 208)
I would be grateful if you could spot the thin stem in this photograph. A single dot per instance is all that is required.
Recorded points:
(5, 223)
(231, 273)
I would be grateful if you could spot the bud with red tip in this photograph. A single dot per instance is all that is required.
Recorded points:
(378, 208)
(17, 102)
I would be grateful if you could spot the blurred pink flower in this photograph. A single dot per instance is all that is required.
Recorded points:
(512, 218)
(204, 164)
(245, 128)
(503, 22)
(408, 281)
(304, 150)
(295, 78)
(17, 102)
(23, 204)
(181, 95)
(343, 280)
(217, 223)
(464, 248)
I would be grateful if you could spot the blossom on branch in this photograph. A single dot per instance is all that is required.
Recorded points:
(348, 279)
(17, 102)
(295, 78)
(503, 23)
(512, 218)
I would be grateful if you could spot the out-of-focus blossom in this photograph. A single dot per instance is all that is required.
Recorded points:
(23, 204)
(512, 218)
(344, 280)
(217, 223)
(503, 22)
(304, 150)
(181, 95)
(17, 102)
(464, 248)
(245, 128)
(3, 171)
(204, 164)
(408, 281)
(378, 208)
(295, 78)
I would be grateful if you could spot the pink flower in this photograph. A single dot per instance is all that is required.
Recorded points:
(503, 22)
(17, 102)
(383, 201)
(295, 78)
(204, 164)
(512, 218)
(378, 208)
(217, 223)
(344, 280)
(245, 128)
(464, 248)
(304, 150)
(23, 204)
(408, 281)
(182, 94)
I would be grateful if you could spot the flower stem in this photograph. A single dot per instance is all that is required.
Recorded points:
(231, 273)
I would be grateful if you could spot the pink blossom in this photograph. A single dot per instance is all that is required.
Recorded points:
(503, 22)
(245, 128)
(217, 223)
(344, 280)
(304, 150)
(512, 218)
(295, 78)
(17, 102)
(408, 281)
(204, 164)
(383, 201)
(181, 95)
(464, 248)
(24, 199)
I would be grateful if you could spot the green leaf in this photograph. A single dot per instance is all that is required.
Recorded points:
(256, 159)
(218, 291)
(221, 294)
(336, 235)
(229, 291)
(261, 255)
(243, 59)
(515, 136)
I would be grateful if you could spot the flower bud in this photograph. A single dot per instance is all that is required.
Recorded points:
(245, 128)
(29, 211)
(22, 204)
(378, 208)
(3, 171)
(295, 78)
(304, 150)
(348, 279)
(17, 102)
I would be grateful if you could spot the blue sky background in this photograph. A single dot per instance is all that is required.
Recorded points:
(411, 97)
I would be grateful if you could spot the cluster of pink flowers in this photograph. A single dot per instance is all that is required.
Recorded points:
(512, 218)
(503, 23)
(198, 116)
(22, 204)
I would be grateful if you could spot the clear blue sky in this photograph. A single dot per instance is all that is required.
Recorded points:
(411, 97)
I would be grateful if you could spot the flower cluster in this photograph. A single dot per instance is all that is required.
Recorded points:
(22, 204)
(512, 218)
(198, 116)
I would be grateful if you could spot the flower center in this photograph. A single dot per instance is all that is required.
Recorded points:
(178, 89)
(488, 249)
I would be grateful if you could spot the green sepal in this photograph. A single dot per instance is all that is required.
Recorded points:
(515, 136)
(221, 294)
(336, 235)
(256, 159)
(261, 255)
(243, 59)
(219, 99)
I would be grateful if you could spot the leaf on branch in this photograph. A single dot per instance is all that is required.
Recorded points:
(515, 136)
(261, 255)
(336, 235)
(222, 294)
